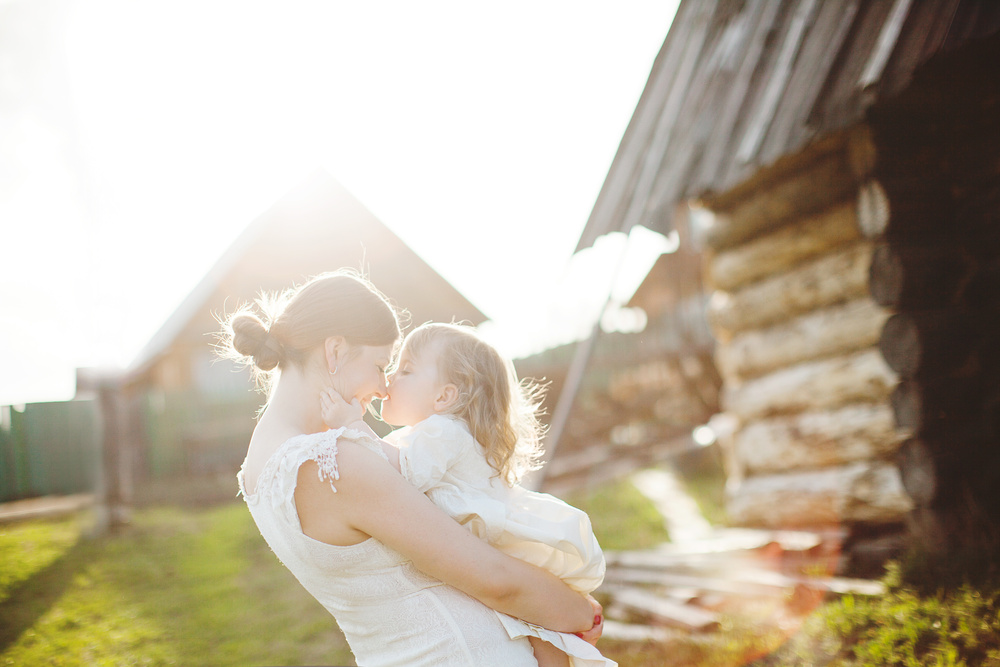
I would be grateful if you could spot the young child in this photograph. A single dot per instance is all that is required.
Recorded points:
(471, 431)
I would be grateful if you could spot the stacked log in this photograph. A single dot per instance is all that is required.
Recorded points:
(932, 206)
(797, 345)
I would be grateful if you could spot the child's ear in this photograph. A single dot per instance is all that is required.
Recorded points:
(447, 396)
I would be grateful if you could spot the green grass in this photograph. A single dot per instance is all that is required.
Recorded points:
(708, 488)
(904, 628)
(185, 585)
(197, 585)
(178, 587)
(622, 517)
(29, 548)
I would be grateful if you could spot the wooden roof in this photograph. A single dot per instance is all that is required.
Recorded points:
(740, 83)
(315, 228)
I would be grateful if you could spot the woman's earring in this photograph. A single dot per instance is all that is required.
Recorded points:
(334, 371)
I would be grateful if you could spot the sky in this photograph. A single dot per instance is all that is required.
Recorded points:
(139, 139)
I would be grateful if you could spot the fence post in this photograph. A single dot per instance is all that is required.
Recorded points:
(113, 475)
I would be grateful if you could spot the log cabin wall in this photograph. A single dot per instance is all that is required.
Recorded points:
(806, 388)
(856, 307)
(933, 205)
(760, 110)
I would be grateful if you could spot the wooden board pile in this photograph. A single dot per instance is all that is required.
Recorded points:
(686, 587)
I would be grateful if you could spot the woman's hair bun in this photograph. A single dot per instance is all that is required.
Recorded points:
(252, 339)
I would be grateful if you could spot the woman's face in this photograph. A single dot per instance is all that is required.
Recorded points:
(361, 374)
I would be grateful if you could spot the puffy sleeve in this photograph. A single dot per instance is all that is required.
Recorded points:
(429, 449)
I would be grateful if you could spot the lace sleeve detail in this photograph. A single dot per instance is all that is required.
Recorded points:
(279, 476)
(325, 454)
(326, 459)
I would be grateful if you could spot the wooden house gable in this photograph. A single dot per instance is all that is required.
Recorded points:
(315, 228)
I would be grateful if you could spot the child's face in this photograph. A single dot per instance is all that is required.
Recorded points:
(413, 387)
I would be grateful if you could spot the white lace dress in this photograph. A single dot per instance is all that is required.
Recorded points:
(390, 613)
(441, 458)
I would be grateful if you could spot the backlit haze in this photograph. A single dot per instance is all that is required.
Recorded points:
(138, 139)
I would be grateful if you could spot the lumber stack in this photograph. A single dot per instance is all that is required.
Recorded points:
(687, 587)
(798, 347)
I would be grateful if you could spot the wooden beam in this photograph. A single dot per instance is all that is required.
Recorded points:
(831, 331)
(818, 439)
(779, 251)
(813, 186)
(839, 276)
(869, 492)
(858, 377)
(666, 611)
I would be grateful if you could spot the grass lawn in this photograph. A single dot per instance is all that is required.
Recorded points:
(198, 586)
(179, 587)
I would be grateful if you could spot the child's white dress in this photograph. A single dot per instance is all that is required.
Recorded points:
(441, 458)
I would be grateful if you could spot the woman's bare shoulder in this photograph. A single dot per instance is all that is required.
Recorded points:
(331, 503)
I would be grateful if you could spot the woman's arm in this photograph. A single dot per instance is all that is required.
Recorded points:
(374, 500)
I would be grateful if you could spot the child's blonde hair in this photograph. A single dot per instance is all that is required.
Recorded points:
(503, 413)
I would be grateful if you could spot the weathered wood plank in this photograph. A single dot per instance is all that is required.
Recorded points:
(835, 330)
(779, 251)
(790, 125)
(858, 377)
(829, 279)
(634, 632)
(747, 581)
(719, 584)
(666, 611)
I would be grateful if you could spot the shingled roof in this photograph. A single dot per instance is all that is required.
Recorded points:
(740, 83)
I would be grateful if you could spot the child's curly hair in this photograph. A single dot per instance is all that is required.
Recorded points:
(503, 413)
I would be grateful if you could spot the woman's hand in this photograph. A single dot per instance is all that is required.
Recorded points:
(336, 411)
(591, 636)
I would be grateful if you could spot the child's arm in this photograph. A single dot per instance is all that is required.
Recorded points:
(391, 453)
(337, 412)
(547, 655)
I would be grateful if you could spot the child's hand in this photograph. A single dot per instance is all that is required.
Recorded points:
(591, 636)
(336, 411)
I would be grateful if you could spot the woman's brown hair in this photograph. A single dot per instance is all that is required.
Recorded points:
(295, 322)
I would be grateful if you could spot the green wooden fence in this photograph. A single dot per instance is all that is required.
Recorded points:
(49, 449)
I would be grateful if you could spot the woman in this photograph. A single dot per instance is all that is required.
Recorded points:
(407, 585)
